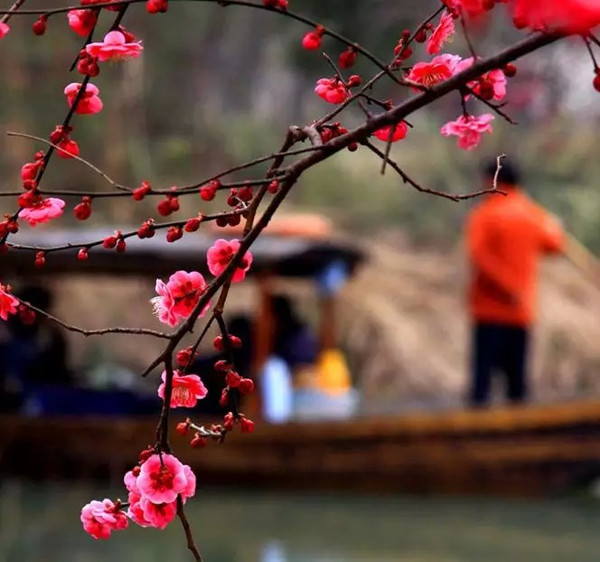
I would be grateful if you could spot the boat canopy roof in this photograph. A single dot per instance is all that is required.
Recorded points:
(280, 250)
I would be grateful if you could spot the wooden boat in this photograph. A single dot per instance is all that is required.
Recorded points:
(527, 450)
(519, 451)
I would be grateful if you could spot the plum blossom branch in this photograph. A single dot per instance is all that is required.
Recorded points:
(95, 169)
(100, 332)
(407, 179)
(187, 530)
(11, 11)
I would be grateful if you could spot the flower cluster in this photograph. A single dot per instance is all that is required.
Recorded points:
(178, 297)
(100, 518)
(468, 129)
(153, 488)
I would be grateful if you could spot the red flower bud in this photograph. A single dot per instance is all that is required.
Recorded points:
(174, 233)
(183, 428)
(347, 58)
(232, 379)
(26, 315)
(39, 26)
(222, 365)
(234, 341)
(184, 357)
(83, 210)
(145, 454)
(228, 421)
(192, 225)
(354, 80)
(164, 207)
(40, 260)
(246, 425)
(109, 242)
(246, 386)
(198, 441)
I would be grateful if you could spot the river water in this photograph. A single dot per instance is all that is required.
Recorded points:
(40, 523)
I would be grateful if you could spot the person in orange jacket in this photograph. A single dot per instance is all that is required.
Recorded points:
(506, 237)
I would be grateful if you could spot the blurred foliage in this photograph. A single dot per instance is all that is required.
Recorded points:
(219, 86)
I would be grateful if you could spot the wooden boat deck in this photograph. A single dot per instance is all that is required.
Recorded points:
(521, 451)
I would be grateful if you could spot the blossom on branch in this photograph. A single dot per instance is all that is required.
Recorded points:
(162, 478)
(187, 390)
(220, 254)
(89, 102)
(441, 34)
(4, 29)
(437, 70)
(100, 518)
(82, 21)
(574, 16)
(157, 515)
(114, 47)
(399, 133)
(8, 304)
(312, 39)
(468, 129)
(491, 85)
(178, 297)
(331, 90)
(43, 210)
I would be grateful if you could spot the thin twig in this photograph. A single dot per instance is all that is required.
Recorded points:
(101, 332)
(187, 530)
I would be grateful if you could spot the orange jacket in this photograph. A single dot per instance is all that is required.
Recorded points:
(506, 236)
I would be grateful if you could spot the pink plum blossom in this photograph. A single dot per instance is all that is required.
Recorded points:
(331, 90)
(575, 16)
(442, 33)
(496, 80)
(220, 254)
(135, 511)
(400, 131)
(178, 297)
(114, 47)
(157, 515)
(82, 21)
(437, 70)
(186, 290)
(164, 305)
(100, 518)
(8, 303)
(468, 129)
(90, 101)
(161, 479)
(43, 211)
(4, 29)
(187, 390)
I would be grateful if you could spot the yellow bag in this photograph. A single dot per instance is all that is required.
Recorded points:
(333, 375)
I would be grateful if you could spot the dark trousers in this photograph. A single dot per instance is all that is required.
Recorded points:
(502, 348)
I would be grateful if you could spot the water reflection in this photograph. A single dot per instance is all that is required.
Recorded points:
(41, 523)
